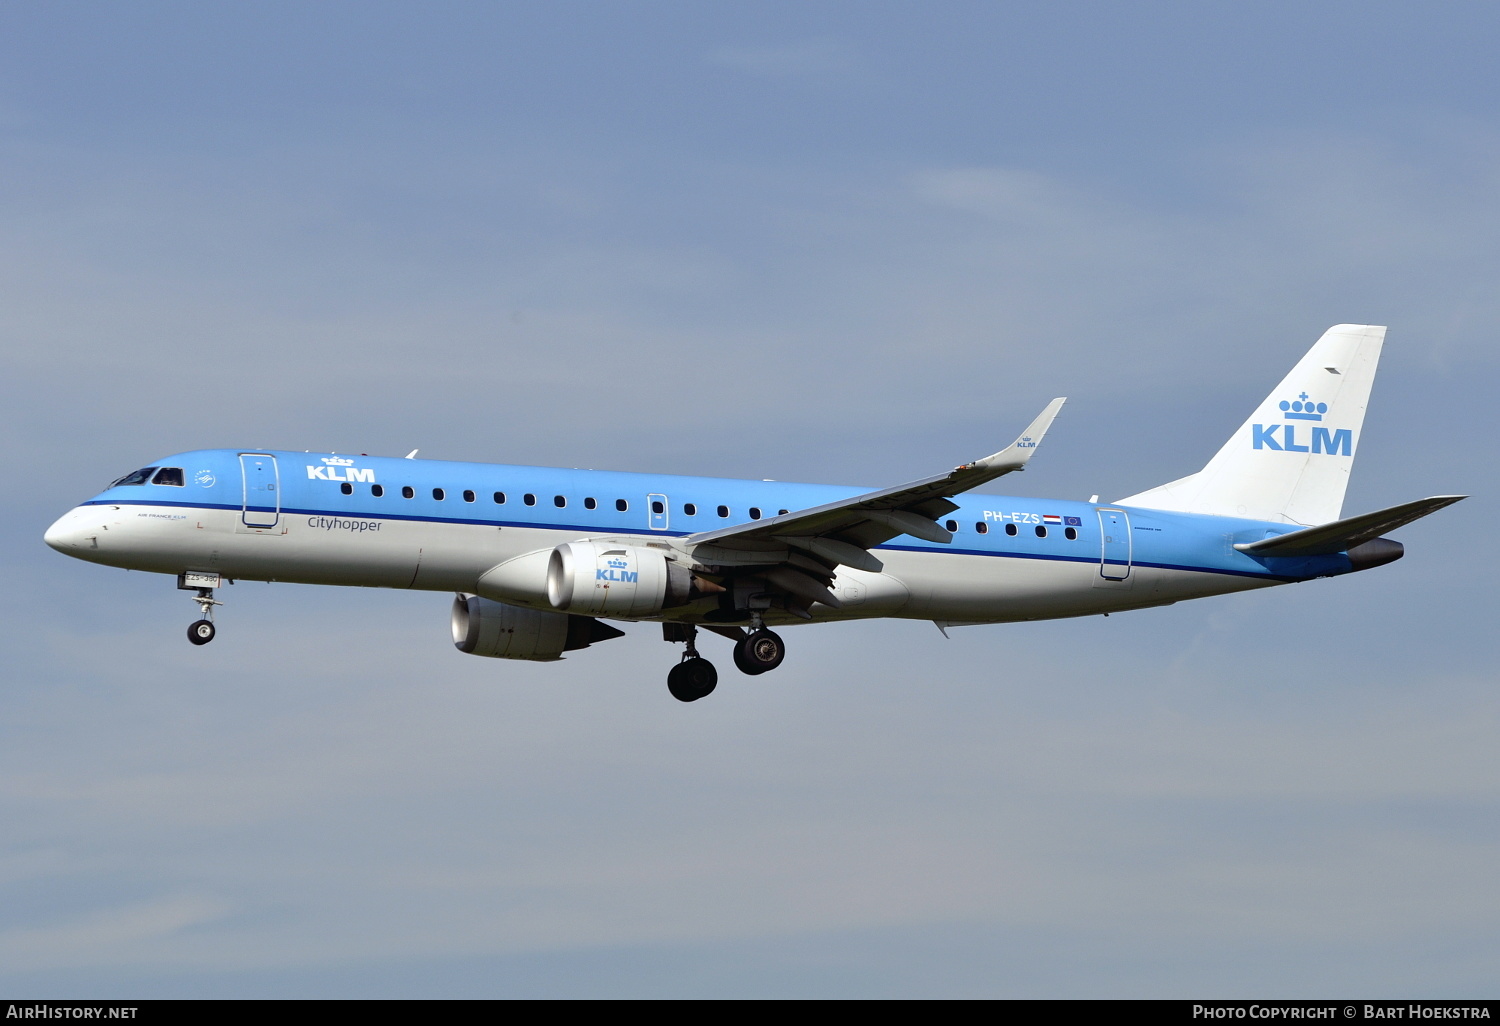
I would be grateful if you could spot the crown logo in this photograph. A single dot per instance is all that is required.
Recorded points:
(1302, 408)
(337, 461)
(618, 564)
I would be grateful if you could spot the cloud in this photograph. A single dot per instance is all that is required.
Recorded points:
(126, 934)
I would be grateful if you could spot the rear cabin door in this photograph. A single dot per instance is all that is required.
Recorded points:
(262, 495)
(1114, 538)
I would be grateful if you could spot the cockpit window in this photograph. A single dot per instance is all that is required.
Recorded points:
(139, 477)
(168, 476)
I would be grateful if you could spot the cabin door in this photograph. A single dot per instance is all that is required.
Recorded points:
(262, 495)
(1114, 538)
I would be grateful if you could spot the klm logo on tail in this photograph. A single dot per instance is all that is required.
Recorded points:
(1283, 437)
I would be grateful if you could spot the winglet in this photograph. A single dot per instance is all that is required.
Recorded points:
(1015, 455)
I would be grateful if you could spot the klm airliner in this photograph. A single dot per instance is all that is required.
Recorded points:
(540, 558)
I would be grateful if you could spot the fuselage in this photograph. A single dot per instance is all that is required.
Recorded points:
(337, 519)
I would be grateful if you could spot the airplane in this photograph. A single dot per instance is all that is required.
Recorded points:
(541, 558)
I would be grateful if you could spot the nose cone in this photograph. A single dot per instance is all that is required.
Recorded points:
(70, 534)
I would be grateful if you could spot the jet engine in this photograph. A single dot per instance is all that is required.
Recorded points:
(613, 579)
(485, 628)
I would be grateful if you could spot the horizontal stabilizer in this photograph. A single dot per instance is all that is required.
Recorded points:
(1343, 535)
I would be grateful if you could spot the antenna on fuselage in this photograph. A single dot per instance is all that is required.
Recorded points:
(412, 455)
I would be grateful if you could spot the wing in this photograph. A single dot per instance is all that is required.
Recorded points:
(797, 552)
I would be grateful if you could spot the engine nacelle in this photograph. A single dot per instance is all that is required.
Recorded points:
(612, 579)
(485, 628)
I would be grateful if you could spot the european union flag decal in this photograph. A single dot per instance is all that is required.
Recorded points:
(1073, 521)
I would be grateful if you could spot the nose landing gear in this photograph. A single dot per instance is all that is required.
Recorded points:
(201, 632)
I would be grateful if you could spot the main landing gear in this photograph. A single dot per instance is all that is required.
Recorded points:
(760, 651)
(694, 677)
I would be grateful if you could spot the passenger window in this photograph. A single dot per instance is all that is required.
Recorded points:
(1010, 529)
(377, 490)
(168, 476)
(468, 495)
(1071, 534)
(407, 492)
(346, 488)
(437, 493)
(657, 507)
(754, 512)
(139, 477)
(723, 511)
(1041, 532)
(529, 499)
(499, 498)
(621, 505)
(590, 503)
(952, 526)
(981, 528)
(690, 509)
(559, 501)
(781, 512)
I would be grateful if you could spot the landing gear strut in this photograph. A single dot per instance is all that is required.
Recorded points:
(694, 677)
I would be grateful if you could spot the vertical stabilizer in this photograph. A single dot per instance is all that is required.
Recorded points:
(1290, 461)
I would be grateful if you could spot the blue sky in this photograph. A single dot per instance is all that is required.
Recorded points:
(837, 242)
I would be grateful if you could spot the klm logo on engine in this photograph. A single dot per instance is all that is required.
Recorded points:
(336, 468)
(1284, 437)
(617, 572)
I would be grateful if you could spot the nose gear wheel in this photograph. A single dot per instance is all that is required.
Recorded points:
(201, 632)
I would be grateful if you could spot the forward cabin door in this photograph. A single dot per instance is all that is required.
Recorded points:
(262, 490)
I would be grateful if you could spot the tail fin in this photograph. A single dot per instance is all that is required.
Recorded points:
(1290, 461)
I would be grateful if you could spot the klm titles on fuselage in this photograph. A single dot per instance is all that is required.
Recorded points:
(1332, 443)
(338, 469)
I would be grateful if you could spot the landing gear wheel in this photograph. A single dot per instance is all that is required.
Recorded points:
(692, 679)
(201, 632)
(759, 652)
